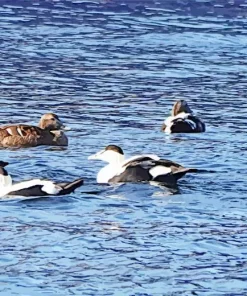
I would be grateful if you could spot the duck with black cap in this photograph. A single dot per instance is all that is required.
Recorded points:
(139, 168)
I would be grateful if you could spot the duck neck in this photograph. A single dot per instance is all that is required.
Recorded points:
(110, 170)
(46, 127)
(41, 125)
(5, 184)
(177, 108)
(117, 160)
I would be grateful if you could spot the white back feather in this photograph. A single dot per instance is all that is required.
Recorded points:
(122, 168)
(48, 186)
(159, 170)
(133, 158)
(112, 170)
(169, 121)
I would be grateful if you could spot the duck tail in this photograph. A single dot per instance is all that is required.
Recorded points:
(182, 171)
(70, 187)
(193, 170)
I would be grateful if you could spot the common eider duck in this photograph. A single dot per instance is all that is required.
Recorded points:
(48, 132)
(34, 187)
(139, 168)
(182, 120)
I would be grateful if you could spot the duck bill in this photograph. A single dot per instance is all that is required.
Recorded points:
(96, 155)
(59, 125)
(65, 128)
(187, 109)
(62, 127)
(163, 127)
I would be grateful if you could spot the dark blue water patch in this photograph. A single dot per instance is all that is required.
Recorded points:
(112, 70)
(60, 10)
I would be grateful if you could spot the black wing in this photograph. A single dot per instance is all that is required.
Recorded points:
(70, 187)
(138, 170)
(148, 163)
(142, 160)
(190, 124)
(30, 191)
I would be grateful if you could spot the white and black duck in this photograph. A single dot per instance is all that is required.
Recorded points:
(139, 168)
(35, 187)
(182, 120)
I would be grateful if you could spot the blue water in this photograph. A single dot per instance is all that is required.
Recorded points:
(112, 73)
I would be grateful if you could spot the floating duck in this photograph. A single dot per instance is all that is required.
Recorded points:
(182, 120)
(139, 168)
(34, 187)
(49, 132)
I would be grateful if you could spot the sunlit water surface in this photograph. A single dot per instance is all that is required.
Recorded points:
(112, 74)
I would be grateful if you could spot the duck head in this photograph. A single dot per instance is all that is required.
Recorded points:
(51, 122)
(179, 107)
(112, 154)
(5, 179)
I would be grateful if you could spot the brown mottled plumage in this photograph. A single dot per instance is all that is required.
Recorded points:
(22, 135)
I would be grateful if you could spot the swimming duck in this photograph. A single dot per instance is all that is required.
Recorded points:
(182, 120)
(139, 168)
(34, 187)
(48, 132)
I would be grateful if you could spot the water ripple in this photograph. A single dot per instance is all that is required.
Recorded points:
(112, 71)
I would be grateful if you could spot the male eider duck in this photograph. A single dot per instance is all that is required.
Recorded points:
(182, 120)
(48, 132)
(138, 168)
(34, 187)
